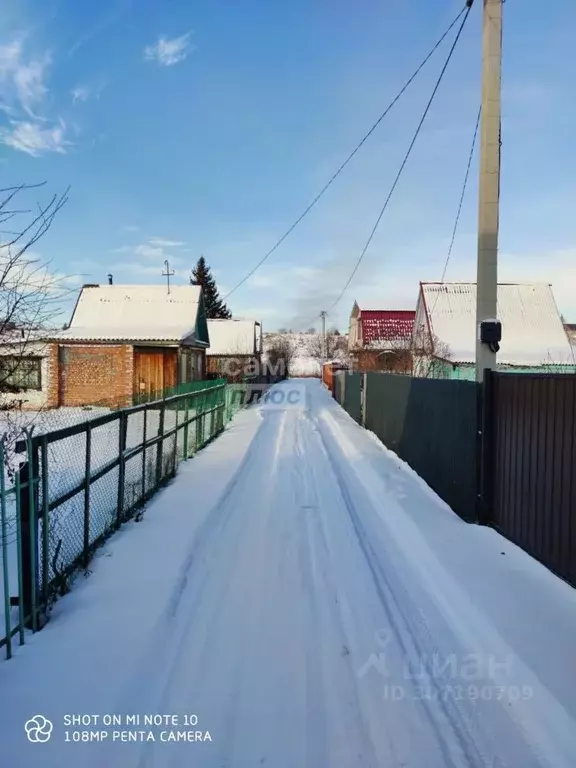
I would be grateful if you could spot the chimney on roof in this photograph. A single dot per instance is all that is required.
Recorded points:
(110, 279)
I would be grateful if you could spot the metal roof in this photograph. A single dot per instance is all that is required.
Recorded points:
(135, 313)
(382, 325)
(233, 337)
(532, 330)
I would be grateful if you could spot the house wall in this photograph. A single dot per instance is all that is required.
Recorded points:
(233, 367)
(467, 371)
(354, 332)
(192, 365)
(93, 374)
(33, 399)
(399, 361)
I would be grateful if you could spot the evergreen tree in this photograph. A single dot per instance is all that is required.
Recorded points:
(215, 307)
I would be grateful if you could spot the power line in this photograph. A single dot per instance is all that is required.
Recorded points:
(464, 187)
(406, 158)
(350, 156)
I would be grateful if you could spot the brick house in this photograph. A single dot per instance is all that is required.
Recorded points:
(381, 339)
(125, 341)
(235, 348)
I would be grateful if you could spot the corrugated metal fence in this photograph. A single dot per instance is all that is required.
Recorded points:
(432, 425)
(348, 392)
(530, 465)
(502, 454)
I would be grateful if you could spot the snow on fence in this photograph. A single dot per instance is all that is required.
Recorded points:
(88, 478)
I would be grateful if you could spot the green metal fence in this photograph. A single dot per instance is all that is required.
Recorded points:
(432, 424)
(80, 483)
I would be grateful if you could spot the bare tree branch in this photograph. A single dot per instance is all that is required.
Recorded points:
(30, 292)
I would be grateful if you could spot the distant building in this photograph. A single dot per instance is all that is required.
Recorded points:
(533, 336)
(381, 339)
(235, 349)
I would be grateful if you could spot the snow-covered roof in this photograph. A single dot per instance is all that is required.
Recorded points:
(134, 313)
(532, 330)
(18, 337)
(233, 337)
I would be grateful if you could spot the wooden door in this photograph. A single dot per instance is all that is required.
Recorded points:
(154, 370)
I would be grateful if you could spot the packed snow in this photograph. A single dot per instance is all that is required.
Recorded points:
(302, 597)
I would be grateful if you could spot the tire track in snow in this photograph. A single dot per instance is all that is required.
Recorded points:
(317, 565)
(410, 635)
(533, 731)
(151, 684)
(230, 506)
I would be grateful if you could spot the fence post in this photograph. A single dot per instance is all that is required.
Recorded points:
(45, 522)
(145, 415)
(20, 554)
(160, 445)
(175, 454)
(88, 460)
(186, 416)
(27, 492)
(4, 543)
(363, 403)
(485, 448)
(199, 417)
(121, 468)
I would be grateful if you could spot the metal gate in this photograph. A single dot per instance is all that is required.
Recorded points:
(530, 465)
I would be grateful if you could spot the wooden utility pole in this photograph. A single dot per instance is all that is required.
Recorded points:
(324, 350)
(488, 219)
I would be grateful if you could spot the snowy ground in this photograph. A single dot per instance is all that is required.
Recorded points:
(66, 469)
(306, 597)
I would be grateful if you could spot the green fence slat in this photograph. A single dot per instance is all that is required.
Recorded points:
(45, 522)
(18, 490)
(33, 531)
(87, 470)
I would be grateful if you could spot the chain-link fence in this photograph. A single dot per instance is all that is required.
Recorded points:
(89, 476)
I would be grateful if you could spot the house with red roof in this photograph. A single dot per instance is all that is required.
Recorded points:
(381, 339)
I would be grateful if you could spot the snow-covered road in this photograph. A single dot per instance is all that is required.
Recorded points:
(309, 600)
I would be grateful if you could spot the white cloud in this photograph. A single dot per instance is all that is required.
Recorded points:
(22, 91)
(34, 139)
(153, 248)
(149, 251)
(80, 93)
(84, 91)
(20, 80)
(161, 243)
(168, 52)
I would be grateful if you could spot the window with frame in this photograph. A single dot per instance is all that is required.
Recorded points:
(20, 372)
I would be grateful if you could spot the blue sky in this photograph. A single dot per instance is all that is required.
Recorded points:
(205, 128)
